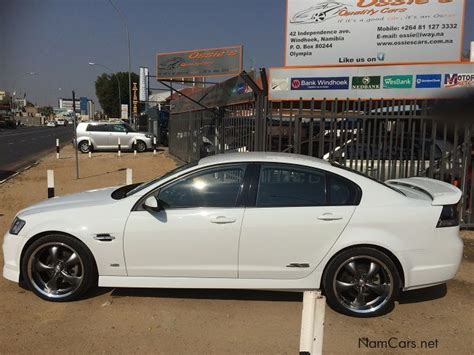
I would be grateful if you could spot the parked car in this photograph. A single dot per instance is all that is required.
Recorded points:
(61, 122)
(106, 135)
(51, 123)
(248, 221)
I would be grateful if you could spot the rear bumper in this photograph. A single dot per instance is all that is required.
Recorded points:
(436, 264)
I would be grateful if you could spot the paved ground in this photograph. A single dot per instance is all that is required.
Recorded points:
(23, 145)
(170, 321)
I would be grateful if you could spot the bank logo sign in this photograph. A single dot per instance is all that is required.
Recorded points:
(366, 82)
(398, 81)
(459, 80)
(320, 83)
(428, 81)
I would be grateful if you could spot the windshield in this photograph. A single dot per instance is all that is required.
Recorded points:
(336, 165)
(154, 181)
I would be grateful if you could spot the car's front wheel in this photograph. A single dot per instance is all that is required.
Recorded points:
(84, 147)
(58, 268)
(361, 282)
(140, 146)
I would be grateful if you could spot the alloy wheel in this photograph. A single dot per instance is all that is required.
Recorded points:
(55, 270)
(363, 284)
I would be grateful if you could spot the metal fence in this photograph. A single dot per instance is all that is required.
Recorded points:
(384, 139)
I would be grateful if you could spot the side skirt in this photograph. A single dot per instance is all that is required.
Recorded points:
(308, 283)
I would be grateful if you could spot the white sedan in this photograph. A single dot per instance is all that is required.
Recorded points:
(248, 221)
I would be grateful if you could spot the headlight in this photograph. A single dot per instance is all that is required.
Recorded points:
(17, 225)
(149, 135)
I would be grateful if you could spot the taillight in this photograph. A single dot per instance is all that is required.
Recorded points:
(449, 217)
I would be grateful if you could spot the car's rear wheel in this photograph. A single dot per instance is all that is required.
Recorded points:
(140, 146)
(361, 282)
(84, 147)
(58, 268)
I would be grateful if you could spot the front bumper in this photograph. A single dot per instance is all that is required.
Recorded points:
(12, 245)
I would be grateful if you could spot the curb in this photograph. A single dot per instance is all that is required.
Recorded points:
(19, 172)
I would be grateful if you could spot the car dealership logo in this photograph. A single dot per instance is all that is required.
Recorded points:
(318, 13)
(459, 80)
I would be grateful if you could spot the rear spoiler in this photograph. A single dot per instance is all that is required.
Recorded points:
(440, 192)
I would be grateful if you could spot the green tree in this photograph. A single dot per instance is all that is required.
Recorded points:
(107, 91)
(46, 111)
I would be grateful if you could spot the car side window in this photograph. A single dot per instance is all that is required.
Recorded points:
(341, 192)
(95, 128)
(216, 187)
(287, 186)
(119, 128)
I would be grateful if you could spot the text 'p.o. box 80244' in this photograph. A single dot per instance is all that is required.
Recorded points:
(368, 32)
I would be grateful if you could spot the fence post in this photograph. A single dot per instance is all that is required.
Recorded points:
(50, 179)
(312, 323)
(119, 153)
(154, 145)
(129, 179)
(57, 148)
(135, 146)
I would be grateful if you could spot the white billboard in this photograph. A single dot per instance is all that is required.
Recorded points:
(124, 111)
(143, 89)
(370, 82)
(368, 32)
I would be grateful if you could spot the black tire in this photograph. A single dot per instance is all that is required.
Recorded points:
(140, 146)
(38, 265)
(84, 147)
(361, 282)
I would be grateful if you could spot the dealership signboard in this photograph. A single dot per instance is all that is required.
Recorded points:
(375, 82)
(143, 92)
(224, 61)
(373, 32)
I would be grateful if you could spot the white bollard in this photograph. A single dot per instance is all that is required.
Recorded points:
(119, 149)
(135, 146)
(50, 178)
(129, 180)
(154, 145)
(312, 323)
(57, 148)
(90, 148)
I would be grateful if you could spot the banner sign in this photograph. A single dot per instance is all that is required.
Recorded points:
(371, 32)
(225, 61)
(123, 111)
(376, 82)
(134, 98)
(143, 92)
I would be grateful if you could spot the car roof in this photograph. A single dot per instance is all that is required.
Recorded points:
(288, 158)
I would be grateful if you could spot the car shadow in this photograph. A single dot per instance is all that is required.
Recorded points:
(211, 294)
(423, 294)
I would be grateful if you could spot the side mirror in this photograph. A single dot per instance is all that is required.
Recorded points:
(151, 204)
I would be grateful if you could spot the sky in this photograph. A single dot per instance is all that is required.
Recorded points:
(58, 38)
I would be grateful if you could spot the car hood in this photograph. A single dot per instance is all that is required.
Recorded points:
(82, 199)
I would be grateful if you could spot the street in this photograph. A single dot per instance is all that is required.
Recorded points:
(21, 146)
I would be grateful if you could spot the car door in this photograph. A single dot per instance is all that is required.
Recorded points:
(294, 217)
(197, 232)
(119, 131)
(99, 134)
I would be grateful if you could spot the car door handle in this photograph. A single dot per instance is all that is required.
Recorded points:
(222, 220)
(329, 217)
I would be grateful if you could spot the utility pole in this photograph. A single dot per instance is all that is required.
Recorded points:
(75, 132)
